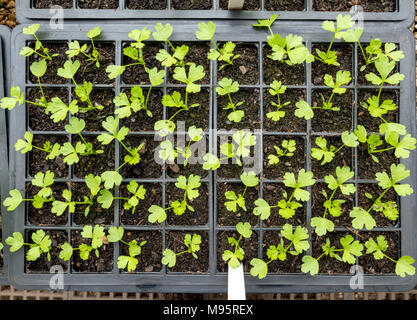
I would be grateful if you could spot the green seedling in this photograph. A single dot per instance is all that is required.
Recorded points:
(287, 150)
(190, 187)
(363, 218)
(74, 47)
(298, 244)
(234, 258)
(116, 235)
(26, 145)
(97, 237)
(27, 51)
(41, 244)
(250, 180)
(168, 153)
(225, 54)
(327, 154)
(288, 206)
(403, 266)
(332, 206)
(193, 245)
(276, 90)
(226, 87)
(136, 102)
(237, 150)
(351, 249)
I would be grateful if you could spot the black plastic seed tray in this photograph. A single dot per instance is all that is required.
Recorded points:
(306, 10)
(4, 161)
(255, 83)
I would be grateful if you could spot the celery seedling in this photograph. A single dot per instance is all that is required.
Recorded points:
(41, 244)
(193, 245)
(27, 51)
(234, 258)
(74, 48)
(226, 87)
(249, 179)
(276, 90)
(288, 148)
(326, 154)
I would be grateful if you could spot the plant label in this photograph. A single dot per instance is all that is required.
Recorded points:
(236, 284)
(236, 4)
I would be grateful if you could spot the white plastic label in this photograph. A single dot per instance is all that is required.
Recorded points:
(236, 284)
(236, 4)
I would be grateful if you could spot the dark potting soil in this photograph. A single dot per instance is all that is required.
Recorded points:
(344, 5)
(365, 203)
(147, 167)
(272, 193)
(192, 4)
(197, 116)
(94, 164)
(96, 215)
(104, 263)
(342, 158)
(286, 164)
(245, 69)
(98, 4)
(364, 118)
(153, 196)
(250, 246)
(367, 167)
(151, 255)
(291, 265)
(43, 4)
(94, 118)
(57, 62)
(250, 106)
(189, 218)
(88, 70)
(38, 119)
(248, 5)
(370, 264)
(280, 71)
(284, 5)
(147, 4)
(186, 262)
(194, 164)
(37, 158)
(328, 120)
(44, 215)
(42, 265)
(136, 74)
(344, 54)
(197, 54)
(290, 123)
(229, 218)
(370, 68)
(318, 199)
(330, 265)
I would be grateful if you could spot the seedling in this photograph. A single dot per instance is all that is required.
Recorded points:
(174, 100)
(98, 238)
(249, 179)
(26, 145)
(74, 48)
(332, 206)
(276, 90)
(206, 32)
(403, 266)
(327, 154)
(41, 244)
(363, 218)
(288, 206)
(28, 51)
(266, 23)
(116, 235)
(351, 249)
(374, 141)
(190, 187)
(238, 150)
(133, 157)
(226, 87)
(342, 23)
(234, 258)
(163, 33)
(287, 150)
(193, 245)
(168, 153)
(135, 103)
(298, 244)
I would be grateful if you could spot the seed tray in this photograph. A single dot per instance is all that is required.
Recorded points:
(214, 280)
(4, 171)
(26, 9)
